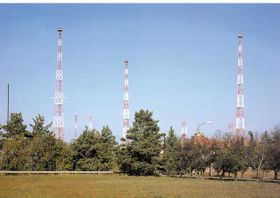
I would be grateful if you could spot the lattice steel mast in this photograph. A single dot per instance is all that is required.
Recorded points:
(240, 115)
(82, 117)
(58, 118)
(125, 102)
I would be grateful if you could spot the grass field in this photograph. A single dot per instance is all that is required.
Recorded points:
(107, 186)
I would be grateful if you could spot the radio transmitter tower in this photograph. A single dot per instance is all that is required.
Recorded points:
(125, 102)
(58, 118)
(84, 117)
(240, 118)
(184, 129)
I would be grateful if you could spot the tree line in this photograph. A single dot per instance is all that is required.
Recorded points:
(144, 151)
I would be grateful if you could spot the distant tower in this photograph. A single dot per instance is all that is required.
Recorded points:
(8, 104)
(184, 129)
(230, 127)
(75, 125)
(58, 118)
(77, 118)
(125, 102)
(240, 118)
(90, 122)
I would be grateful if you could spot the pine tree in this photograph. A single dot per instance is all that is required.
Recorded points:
(15, 128)
(42, 153)
(38, 127)
(141, 155)
(107, 149)
(14, 153)
(169, 153)
(85, 151)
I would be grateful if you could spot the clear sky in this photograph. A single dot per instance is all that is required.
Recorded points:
(182, 62)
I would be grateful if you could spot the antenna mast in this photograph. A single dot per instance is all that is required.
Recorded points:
(240, 118)
(84, 117)
(8, 103)
(58, 118)
(125, 102)
(184, 129)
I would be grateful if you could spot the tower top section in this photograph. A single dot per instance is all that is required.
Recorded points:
(59, 29)
(126, 61)
(240, 35)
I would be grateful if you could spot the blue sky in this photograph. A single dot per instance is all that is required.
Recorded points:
(182, 62)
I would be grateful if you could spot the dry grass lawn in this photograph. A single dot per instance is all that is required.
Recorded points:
(107, 186)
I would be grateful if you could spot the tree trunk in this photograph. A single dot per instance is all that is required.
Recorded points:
(242, 173)
(259, 168)
(235, 175)
(275, 174)
(257, 173)
(210, 170)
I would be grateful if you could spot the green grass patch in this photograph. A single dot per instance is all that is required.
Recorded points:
(107, 186)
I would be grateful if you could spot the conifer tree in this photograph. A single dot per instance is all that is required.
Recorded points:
(169, 153)
(140, 156)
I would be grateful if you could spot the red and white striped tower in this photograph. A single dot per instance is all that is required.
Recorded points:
(125, 101)
(240, 118)
(184, 129)
(58, 118)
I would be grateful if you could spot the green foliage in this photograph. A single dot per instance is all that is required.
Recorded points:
(232, 158)
(191, 157)
(141, 155)
(38, 150)
(273, 152)
(42, 153)
(14, 143)
(184, 157)
(227, 162)
(1, 139)
(38, 127)
(15, 127)
(45, 151)
(169, 153)
(14, 155)
(85, 150)
(64, 156)
(107, 150)
(256, 151)
(94, 151)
